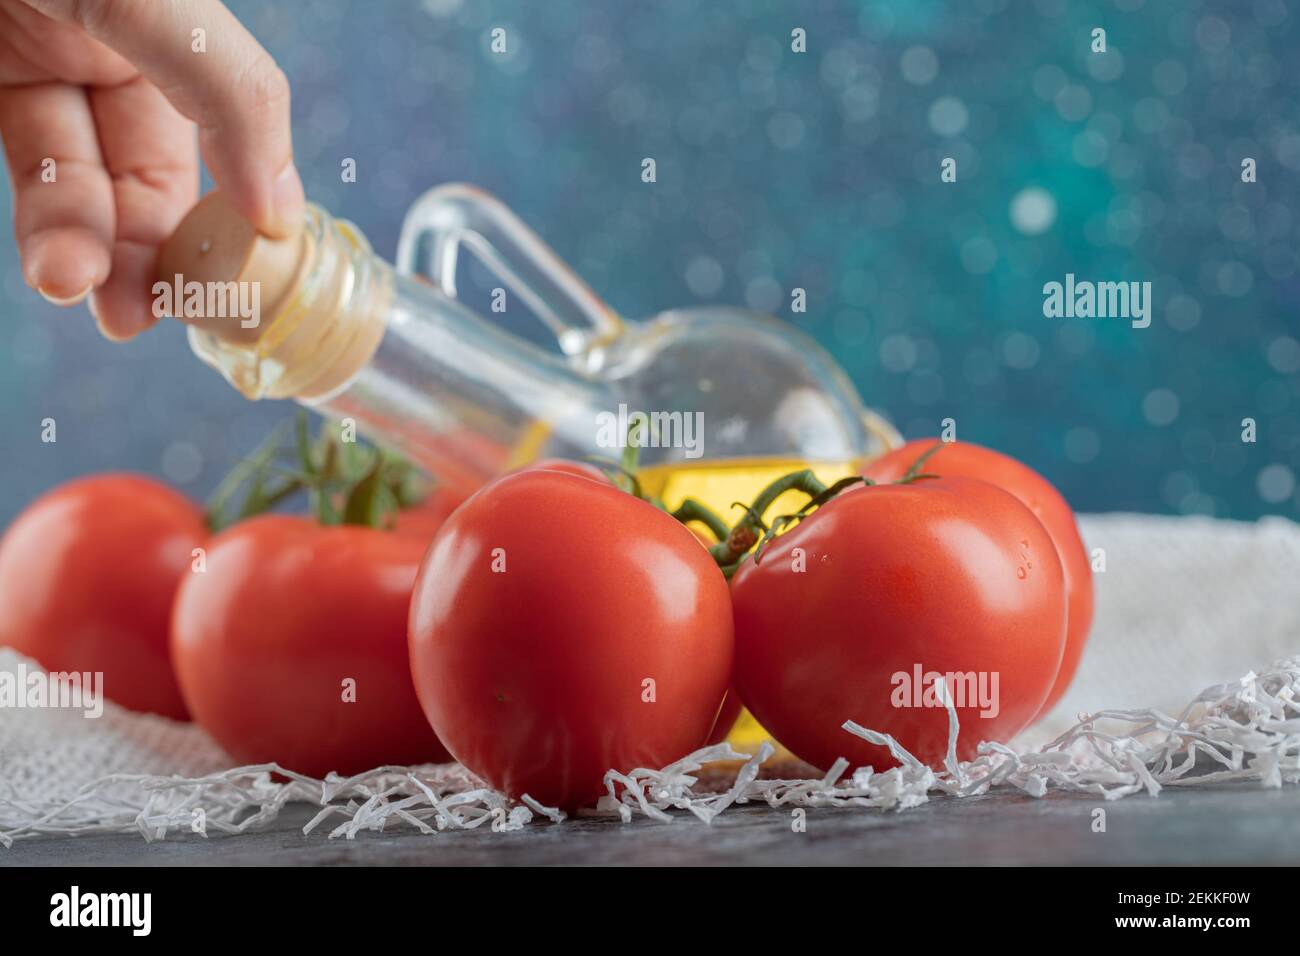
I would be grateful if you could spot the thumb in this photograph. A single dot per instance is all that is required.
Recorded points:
(213, 72)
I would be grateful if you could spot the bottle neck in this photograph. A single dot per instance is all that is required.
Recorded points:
(350, 338)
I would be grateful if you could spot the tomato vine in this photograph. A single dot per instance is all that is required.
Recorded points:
(346, 482)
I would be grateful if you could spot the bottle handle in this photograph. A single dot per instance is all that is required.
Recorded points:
(454, 215)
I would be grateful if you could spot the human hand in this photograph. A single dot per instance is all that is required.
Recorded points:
(110, 91)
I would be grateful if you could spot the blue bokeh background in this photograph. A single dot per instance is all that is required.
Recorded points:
(816, 170)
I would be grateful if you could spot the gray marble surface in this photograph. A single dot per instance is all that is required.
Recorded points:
(1198, 826)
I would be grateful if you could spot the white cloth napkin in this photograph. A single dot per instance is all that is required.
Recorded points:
(1183, 603)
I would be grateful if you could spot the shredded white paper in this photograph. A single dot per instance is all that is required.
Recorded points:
(1246, 730)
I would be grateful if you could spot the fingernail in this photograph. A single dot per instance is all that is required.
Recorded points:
(113, 335)
(70, 301)
(287, 200)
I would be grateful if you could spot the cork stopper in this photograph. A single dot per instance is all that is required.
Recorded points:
(297, 317)
(215, 244)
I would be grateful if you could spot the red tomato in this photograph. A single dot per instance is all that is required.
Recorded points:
(947, 575)
(561, 628)
(286, 614)
(727, 716)
(427, 517)
(87, 575)
(963, 459)
(731, 707)
(564, 465)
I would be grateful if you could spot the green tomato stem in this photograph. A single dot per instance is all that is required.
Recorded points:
(692, 510)
(746, 532)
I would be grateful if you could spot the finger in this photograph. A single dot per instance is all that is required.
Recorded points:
(226, 83)
(37, 49)
(63, 199)
(148, 150)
